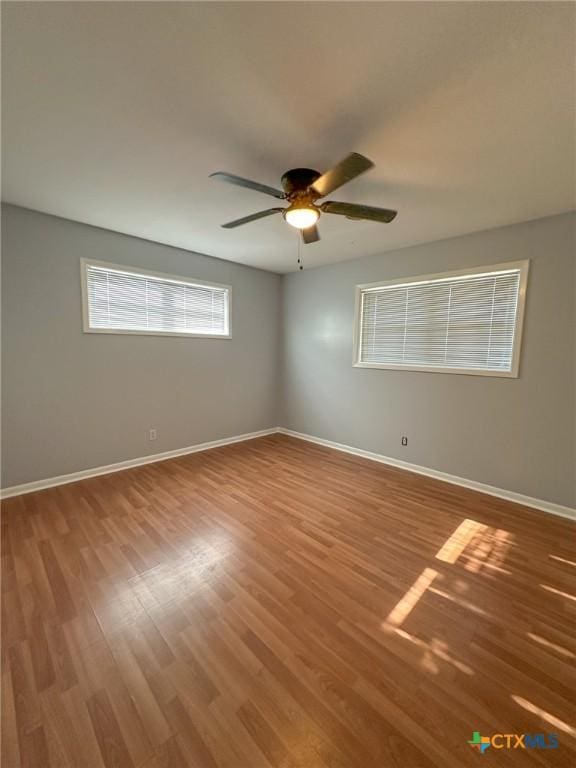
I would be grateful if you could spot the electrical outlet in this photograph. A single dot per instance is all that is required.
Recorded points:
(152, 434)
(404, 441)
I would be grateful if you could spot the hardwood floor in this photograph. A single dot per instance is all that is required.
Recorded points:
(275, 603)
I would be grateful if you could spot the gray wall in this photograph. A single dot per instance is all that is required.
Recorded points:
(73, 400)
(516, 434)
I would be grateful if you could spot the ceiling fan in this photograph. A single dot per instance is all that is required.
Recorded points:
(302, 188)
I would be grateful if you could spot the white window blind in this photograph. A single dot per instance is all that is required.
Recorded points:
(122, 300)
(461, 322)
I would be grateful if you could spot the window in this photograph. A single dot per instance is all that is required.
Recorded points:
(124, 300)
(456, 322)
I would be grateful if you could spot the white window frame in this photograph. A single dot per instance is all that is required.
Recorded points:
(522, 266)
(137, 271)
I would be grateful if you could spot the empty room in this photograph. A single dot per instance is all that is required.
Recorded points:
(288, 460)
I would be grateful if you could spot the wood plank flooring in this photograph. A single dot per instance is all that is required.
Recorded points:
(275, 603)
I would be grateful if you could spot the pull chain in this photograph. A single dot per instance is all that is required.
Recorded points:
(300, 260)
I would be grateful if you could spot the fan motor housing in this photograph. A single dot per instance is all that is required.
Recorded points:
(298, 180)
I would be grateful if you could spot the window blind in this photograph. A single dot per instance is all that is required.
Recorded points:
(465, 322)
(133, 301)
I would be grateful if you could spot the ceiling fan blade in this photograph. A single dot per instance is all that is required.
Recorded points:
(240, 182)
(368, 212)
(345, 171)
(252, 217)
(310, 234)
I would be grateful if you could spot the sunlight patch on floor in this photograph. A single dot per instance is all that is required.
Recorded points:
(459, 601)
(553, 646)
(435, 648)
(490, 552)
(459, 540)
(558, 592)
(544, 715)
(402, 609)
(562, 560)
(481, 547)
(487, 547)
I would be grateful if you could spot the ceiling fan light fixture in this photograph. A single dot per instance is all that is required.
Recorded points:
(302, 188)
(302, 216)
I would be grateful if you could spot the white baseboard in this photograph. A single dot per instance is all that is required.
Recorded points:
(38, 485)
(519, 498)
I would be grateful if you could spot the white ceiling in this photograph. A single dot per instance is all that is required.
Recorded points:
(115, 114)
